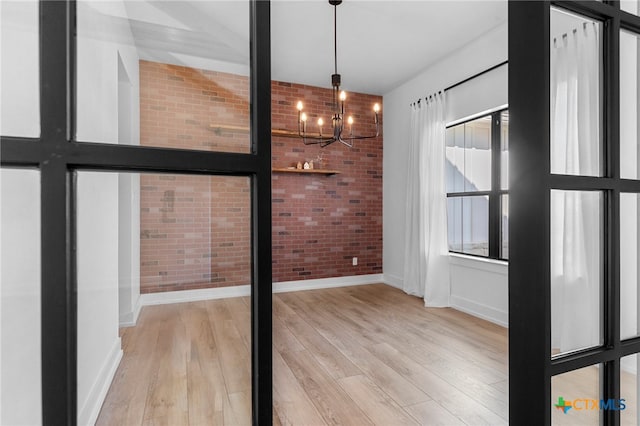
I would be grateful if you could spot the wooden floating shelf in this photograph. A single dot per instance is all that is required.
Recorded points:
(306, 171)
(220, 128)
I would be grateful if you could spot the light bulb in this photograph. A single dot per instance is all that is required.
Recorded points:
(303, 116)
(343, 96)
(350, 120)
(320, 122)
(376, 108)
(299, 106)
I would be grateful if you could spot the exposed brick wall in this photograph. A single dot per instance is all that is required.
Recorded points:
(177, 105)
(321, 222)
(195, 230)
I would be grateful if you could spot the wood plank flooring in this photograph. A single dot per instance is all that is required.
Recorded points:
(353, 355)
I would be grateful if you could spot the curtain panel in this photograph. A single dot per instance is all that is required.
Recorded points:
(576, 216)
(426, 265)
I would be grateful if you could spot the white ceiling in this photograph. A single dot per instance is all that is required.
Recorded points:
(380, 43)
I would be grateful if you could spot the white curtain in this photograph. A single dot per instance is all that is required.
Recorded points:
(426, 262)
(575, 215)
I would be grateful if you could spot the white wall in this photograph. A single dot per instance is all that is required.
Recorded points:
(128, 202)
(19, 77)
(480, 287)
(20, 360)
(106, 54)
(479, 95)
(101, 42)
(98, 340)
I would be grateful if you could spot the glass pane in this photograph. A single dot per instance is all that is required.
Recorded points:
(19, 65)
(576, 270)
(576, 80)
(20, 358)
(454, 167)
(477, 155)
(575, 397)
(195, 232)
(140, 237)
(168, 73)
(629, 259)
(475, 227)
(629, 102)
(454, 223)
(631, 6)
(504, 150)
(468, 224)
(628, 403)
(504, 219)
(468, 156)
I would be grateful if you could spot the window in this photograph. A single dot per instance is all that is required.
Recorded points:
(477, 155)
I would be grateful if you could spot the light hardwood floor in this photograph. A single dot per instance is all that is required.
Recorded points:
(353, 355)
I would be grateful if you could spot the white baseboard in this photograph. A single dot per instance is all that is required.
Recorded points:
(130, 319)
(320, 283)
(136, 312)
(479, 310)
(196, 295)
(91, 408)
(393, 280)
(182, 296)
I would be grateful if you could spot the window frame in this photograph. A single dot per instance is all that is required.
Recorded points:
(58, 155)
(495, 193)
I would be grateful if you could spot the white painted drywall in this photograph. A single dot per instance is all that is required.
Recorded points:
(19, 75)
(105, 52)
(101, 41)
(486, 290)
(128, 202)
(20, 360)
(480, 287)
(97, 219)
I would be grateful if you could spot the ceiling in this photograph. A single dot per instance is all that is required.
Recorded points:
(380, 43)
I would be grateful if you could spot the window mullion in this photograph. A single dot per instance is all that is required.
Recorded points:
(58, 307)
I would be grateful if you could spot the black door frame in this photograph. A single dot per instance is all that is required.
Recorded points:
(57, 155)
(531, 366)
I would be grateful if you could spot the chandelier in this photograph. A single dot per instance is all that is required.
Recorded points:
(340, 133)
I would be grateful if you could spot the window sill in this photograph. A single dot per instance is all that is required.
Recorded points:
(481, 263)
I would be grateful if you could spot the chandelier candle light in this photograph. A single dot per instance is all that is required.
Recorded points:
(340, 133)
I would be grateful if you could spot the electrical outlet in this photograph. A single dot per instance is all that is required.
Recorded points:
(354, 261)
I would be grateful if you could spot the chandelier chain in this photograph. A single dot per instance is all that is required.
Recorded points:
(335, 38)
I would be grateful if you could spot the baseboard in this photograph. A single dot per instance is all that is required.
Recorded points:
(332, 282)
(479, 310)
(136, 312)
(89, 412)
(131, 318)
(182, 296)
(393, 280)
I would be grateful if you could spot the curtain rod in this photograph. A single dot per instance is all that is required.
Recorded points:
(472, 77)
